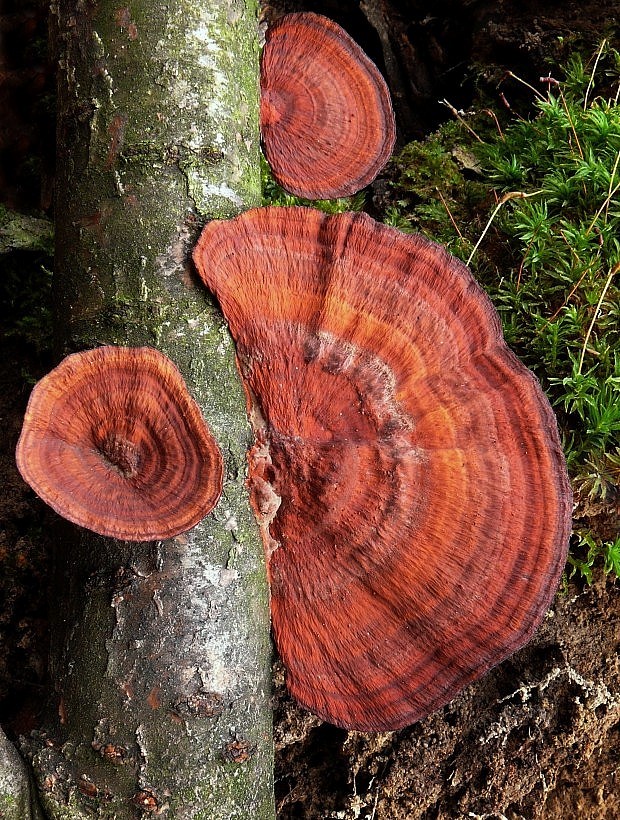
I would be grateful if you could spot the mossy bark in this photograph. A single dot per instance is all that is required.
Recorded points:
(17, 793)
(161, 651)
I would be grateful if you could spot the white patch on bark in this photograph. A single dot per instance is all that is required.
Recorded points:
(222, 191)
(103, 71)
(210, 59)
(230, 525)
(207, 611)
(220, 576)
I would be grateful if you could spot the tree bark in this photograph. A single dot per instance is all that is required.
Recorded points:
(161, 652)
(17, 792)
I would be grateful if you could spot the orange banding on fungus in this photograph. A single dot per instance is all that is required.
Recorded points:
(424, 506)
(326, 117)
(113, 441)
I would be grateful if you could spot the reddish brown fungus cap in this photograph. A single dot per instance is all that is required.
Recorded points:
(113, 441)
(326, 117)
(407, 474)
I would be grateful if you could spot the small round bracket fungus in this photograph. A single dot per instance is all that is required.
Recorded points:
(425, 509)
(326, 117)
(113, 441)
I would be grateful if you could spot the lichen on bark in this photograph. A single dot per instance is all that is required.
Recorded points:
(161, 652)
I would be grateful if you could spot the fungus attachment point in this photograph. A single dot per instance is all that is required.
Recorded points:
(423, 508)
(326, 117)
(113, 441)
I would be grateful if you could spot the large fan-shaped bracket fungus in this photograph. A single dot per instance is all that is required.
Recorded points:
(408, 472)
(113, 441)
(326, 117)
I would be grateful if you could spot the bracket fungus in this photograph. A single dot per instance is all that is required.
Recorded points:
(407, 471)
(113, 441)
(326, 117)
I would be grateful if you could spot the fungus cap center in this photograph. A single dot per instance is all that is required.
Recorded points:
(121, 454)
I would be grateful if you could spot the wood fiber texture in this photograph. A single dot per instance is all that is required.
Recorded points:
(326, 117)
(113, 441)
(408, 472)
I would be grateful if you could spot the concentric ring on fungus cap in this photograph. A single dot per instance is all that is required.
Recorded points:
(407, 472)
(113, 441)
(326, 117)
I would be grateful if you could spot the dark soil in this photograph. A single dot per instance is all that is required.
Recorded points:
(539, 737)
(24, 558)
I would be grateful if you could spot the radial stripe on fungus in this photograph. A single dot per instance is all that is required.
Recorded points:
(327, 123)
(113, 441)
(407, 472)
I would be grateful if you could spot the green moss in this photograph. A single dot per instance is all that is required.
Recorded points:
(21, 232)
(274, 194)
(436, 187)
